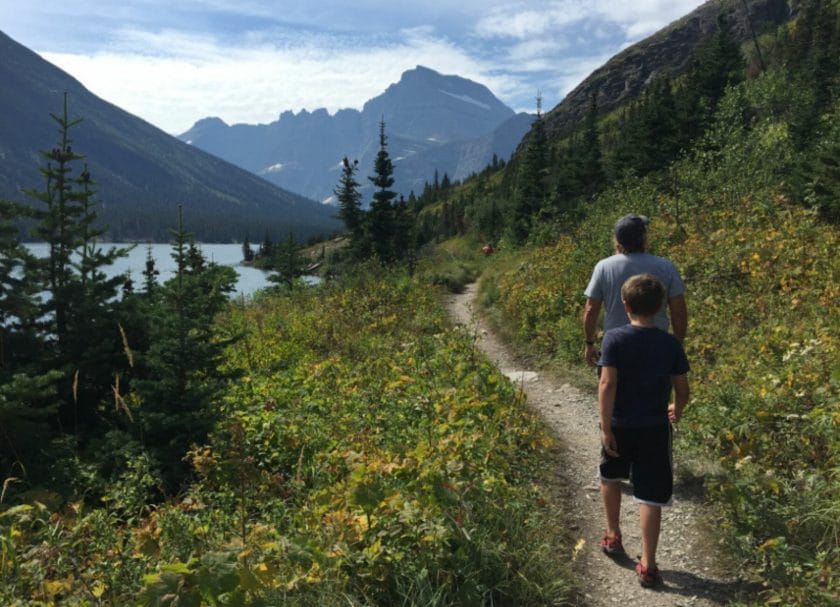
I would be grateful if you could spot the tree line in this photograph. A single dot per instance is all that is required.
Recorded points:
(548, 184)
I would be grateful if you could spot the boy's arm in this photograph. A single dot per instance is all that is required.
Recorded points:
(606, 403)
(675, 409)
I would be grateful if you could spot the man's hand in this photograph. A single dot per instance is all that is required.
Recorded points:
(608, 442)
(591, 355)
(674, 414)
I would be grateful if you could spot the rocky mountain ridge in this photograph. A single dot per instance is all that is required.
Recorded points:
(433, 122)
(668, 51)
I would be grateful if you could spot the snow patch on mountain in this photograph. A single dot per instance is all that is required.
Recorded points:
(466, 98)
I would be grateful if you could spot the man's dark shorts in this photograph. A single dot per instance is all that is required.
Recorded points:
(645, 459)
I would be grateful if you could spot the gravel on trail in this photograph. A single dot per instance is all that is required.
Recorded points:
(693, 575)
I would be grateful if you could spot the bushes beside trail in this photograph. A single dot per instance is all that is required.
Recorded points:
(763, 278)
(368, 455)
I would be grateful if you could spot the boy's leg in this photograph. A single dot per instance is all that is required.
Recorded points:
(611, 495)
(650, 519)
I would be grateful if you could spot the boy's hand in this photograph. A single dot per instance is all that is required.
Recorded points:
(674, 414)
(608, 442)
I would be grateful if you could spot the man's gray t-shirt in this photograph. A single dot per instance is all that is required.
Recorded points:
(610, 273)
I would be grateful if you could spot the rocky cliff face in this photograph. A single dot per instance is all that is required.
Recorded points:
(668, 51)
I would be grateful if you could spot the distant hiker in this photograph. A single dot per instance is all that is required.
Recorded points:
(631, 258)
(640, 363)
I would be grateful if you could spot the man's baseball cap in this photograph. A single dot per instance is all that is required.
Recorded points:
(630, 229)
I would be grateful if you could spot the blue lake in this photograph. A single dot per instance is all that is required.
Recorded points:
(250, 279)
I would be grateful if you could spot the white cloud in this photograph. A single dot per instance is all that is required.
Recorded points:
(180, 78)
(548, 17)
(536, 49)
(516, 21)
(247, 61)
(641, 18)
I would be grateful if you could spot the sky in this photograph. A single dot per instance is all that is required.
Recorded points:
(174, 62)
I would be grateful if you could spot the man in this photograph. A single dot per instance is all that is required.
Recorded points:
(604, 287)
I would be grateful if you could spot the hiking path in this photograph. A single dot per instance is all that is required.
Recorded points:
(692, 575)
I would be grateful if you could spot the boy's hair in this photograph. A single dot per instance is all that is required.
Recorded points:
(644, 293)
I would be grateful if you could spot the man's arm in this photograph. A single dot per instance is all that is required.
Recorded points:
(679, 316)
(590, 325)
(675, 409)
(607, 385)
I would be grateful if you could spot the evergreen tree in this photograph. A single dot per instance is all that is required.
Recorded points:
(247, 251)
(150, 272)
(350, 205)
(530, 181)
(648, 138)
(80, 314)
(814, 62)
(178, 379)
(18, 304)
(287, 263)
(381, 215)
(823, 188)
(591, 175)
(266, 250)
(28, 395)
(718, 64)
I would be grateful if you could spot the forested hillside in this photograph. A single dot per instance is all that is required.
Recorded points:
(737, 165)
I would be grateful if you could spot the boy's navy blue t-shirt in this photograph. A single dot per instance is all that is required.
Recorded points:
(646, 358)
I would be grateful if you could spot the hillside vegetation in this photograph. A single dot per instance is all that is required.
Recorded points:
(748, 217)
(367, 454)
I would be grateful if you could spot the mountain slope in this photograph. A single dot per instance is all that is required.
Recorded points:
(425, 114)
(142, 174)
(668, 51)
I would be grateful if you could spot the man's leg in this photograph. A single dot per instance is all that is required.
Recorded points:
(650, 519)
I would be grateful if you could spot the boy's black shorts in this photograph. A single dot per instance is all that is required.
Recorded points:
(644, 458)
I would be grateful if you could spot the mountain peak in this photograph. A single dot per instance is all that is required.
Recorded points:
(420, 71)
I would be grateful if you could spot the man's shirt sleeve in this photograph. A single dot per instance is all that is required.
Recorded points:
(595, 288)
(675, 285)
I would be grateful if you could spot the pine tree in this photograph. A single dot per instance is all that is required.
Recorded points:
(591, 173)
(18, 304)
(177, 378)
(823, 188)
(381, 214)
(287, 263)
(530, 181)
(717, 65)
(80, 314)
(247, 251)
(28, 395)
(150, 272)
(266, 250)
(350, 205)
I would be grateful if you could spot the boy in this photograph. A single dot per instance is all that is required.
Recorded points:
(640, 364)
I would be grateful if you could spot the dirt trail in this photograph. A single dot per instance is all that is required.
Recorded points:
(690, 572)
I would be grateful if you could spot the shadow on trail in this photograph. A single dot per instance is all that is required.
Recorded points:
(692, 585)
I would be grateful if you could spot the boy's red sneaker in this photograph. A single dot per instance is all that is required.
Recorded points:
(611, 545)
(648, 576)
